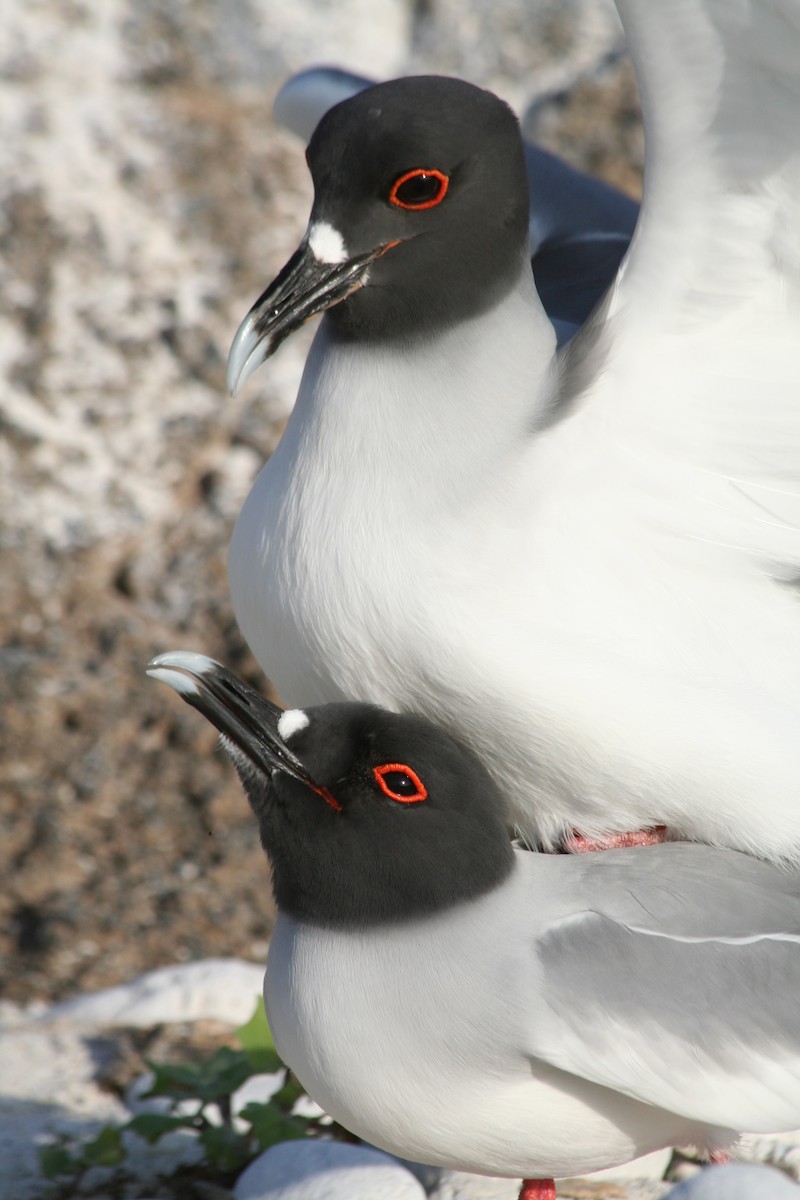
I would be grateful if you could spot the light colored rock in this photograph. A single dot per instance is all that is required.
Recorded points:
(428, 1176)
(366, 36)
(47, 1087)
(304, 1106)
(218, 989)
(520, 49)
(316, 1170)
(459, 1185)
(50, 1059)
(778, 1150)
(259, 1089)
(123, 256)
(737, 1182)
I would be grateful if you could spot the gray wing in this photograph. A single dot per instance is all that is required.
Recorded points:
(676, 980)
(580, 231)
(580, 227)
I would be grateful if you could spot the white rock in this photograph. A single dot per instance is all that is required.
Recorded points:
(776, 1150)
(737, 1182)
(458, 1185)
(366, 36)
(509, 45)
(257, 1089)
(48, 1087)
(304, 1106)
(49, 1064)
(316, 1170)
(217, 989)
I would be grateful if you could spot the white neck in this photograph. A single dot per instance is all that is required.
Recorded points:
(429, 416)
(387, 450)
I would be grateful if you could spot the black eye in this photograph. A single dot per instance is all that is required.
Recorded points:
(419, 189)
(400, 782)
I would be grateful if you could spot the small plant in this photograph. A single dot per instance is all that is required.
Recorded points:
(192, 1090)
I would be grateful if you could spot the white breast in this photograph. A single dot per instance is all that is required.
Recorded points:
(413, 544)
(341, 556)
(411, 1038)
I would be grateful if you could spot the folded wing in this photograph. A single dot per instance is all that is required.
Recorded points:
(679, 985)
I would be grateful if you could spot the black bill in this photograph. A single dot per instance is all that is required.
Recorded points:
(234, 708)
(306, 286)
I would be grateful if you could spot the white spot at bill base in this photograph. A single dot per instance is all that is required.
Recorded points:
(326, 243)
(291, 721)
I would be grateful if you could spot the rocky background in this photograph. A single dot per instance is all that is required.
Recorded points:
(146, 201)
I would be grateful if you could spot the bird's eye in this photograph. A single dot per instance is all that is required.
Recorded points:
(400, 782)
(419, 189)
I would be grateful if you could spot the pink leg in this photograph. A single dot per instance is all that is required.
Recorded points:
(538, 1189)
(719, 1158)
(576, 843)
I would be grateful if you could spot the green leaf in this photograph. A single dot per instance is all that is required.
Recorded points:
(211, 1079)
(226, 1149)
(56, 1160)
(151, 1125)
(255, 1038)
(224, 1072)
(269, 1125)
(105, 1150)
(176, 1080)
(286, 1096)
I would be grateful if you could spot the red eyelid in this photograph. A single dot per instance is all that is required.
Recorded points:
(444, 183)
(421, 792)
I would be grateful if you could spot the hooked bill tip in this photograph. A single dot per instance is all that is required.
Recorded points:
(178, 667)
(183, 684)
(248, 351)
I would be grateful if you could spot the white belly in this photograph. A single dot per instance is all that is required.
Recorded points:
(412, 1061)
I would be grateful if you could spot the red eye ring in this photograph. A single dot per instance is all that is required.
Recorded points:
(417, 173)
(385, 769)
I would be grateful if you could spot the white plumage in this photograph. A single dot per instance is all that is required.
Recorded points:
(588, 557)
(538, 1030)
(458, 1002)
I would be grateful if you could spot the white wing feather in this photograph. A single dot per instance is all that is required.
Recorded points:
(697, 369)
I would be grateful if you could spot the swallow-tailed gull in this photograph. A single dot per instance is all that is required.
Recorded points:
(462, 1003)
(587, 557)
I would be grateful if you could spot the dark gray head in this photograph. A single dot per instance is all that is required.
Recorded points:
(420, 219)
(367, 816)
